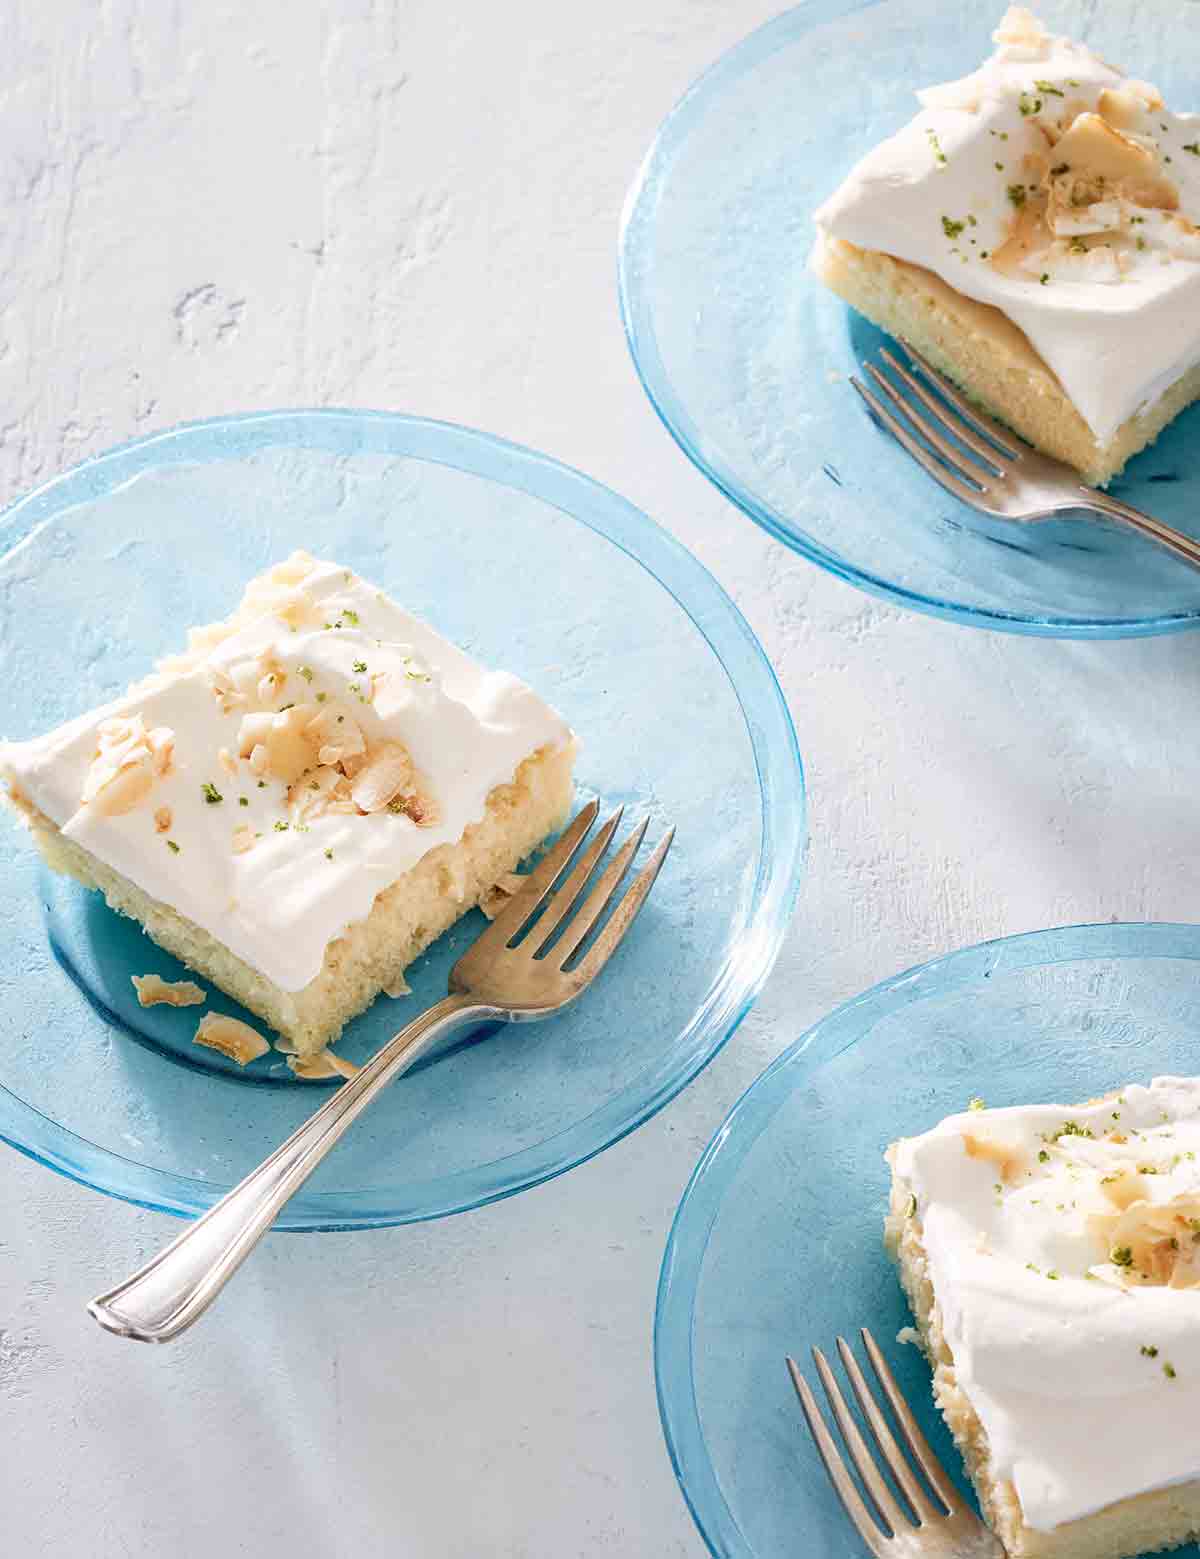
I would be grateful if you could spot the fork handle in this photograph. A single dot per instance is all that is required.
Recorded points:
(1175, 541)
(175, 1287)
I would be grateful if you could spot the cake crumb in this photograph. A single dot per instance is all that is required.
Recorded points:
(127, 762)
(499, 894)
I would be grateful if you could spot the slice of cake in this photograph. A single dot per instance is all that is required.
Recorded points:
(299, 804)
(1033, 232)
(1051, 1257)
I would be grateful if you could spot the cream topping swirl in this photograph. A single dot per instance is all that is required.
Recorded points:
(298, 759)
(1063, 193)
(1064, 1250)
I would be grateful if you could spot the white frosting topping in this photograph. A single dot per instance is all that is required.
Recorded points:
(1073, 1319)
(267, 851)
(1064, 194)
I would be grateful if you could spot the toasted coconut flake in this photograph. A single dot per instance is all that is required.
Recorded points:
(220, 683)
(153, 990)
(231, 1037)
(1126, 106)
(162, 748)
(121, 792)
(163, 819)
(321, 1066)
(226, 692)
(1111, 162)
(1009, 1160)
(1150, 1244)
(387, 773)
(334, 726)
(127, 761)
(253, 732)
(1120, 108)
(315, 793)
(278, 744)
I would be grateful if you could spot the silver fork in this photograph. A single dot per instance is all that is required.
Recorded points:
(1006, 478)
(493, 980)
(941, 1527)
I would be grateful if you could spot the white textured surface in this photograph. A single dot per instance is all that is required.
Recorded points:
(414, 205)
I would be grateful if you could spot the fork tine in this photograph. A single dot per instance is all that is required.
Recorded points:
(957, 425)
(932, 432)
(892, 1454)
(540, 881)
(606, 944)
(923, 458)
(1003, 437)
(564, 899)
(601, 895)
(843, 1485)
(915, 1440)
(883, 1498)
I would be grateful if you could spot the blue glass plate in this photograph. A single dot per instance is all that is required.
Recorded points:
(746, 357)
(778, 1240)
(532, 567)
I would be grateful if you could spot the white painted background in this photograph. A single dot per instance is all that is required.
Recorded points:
(413, 204)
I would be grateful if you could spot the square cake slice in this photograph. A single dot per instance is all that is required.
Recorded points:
(302, 802)
(1051, 1257)
(1033, 231)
